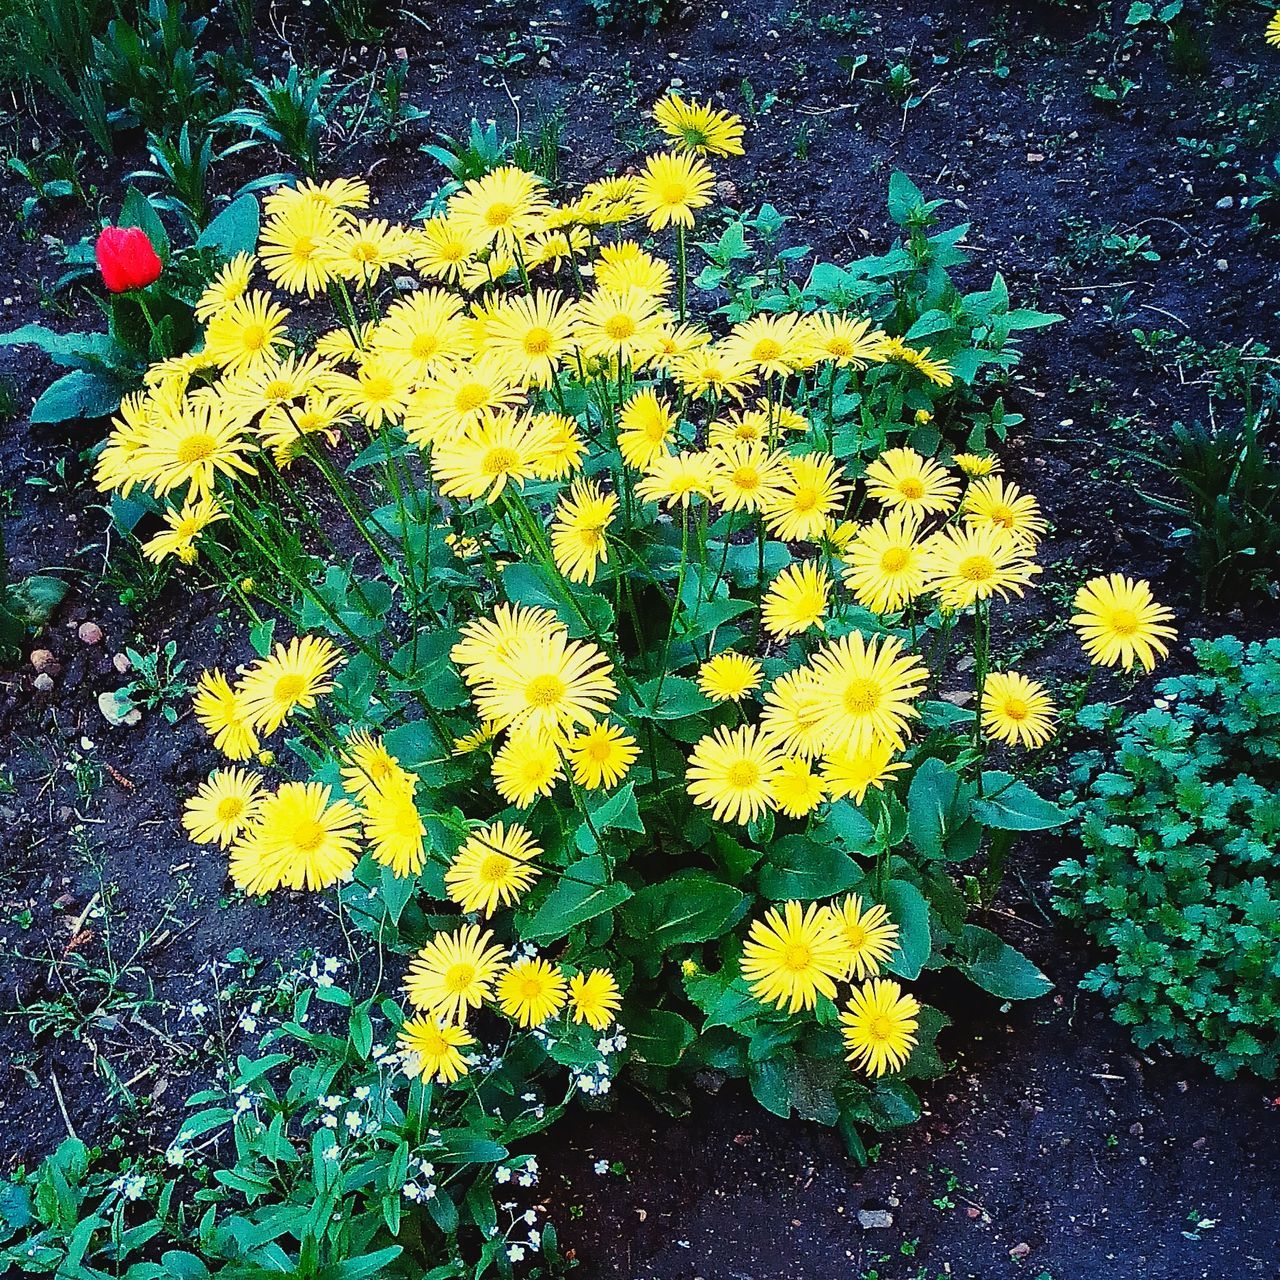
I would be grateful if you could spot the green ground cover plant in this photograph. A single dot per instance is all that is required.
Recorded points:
(1180, 818)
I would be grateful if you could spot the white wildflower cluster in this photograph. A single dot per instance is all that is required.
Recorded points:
(519, 1244)
(596, 1079)
(524, 1174)
(130, 1186)
(421, 1185)
(323, 972)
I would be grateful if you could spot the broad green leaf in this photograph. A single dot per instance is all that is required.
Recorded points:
(799, 868)
(996, 967)
(689, 908)
(234, 230)
(79, 394)
(581, 894)
(657, 1036)
(939, 812)
(910, 912)
(1011, 805)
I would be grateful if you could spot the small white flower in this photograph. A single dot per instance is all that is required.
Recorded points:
(502, 1174)
(515, 1253)
(331, 1103)
(601, 1166)
(362, 1092)
(332, 964)
(530, 1216)
(329, 1121)
(248, 1023)
(535, 1239)
(243, 1105)
(352, 1121)
(130, 1185)
(199, 1009)
(411, 1191)
(175, 1155)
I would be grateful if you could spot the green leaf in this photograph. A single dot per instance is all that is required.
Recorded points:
(688, 908)
(461, 1146)
(138, 211)
(799, 868)
(532, 585)
(1011, 805)
(910, 912)
(581, 894)
(940, 810)
(657, 1036)
(79, 394)
(677, 699)
(769, 1086)
(616, 812)
(996, 967)
(234, 230)
(904, 197)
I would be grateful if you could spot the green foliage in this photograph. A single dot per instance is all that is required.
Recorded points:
(25, 606)
(291, 113)
(305, 1160)
(1181, 822)
(1228, 494)
(631, 13)
(142, 327)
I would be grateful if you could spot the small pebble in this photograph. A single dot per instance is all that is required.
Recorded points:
(90, 633)
(1225, 203)
(43, 660)
(44, 683)
(121, 663)
(872, 1219)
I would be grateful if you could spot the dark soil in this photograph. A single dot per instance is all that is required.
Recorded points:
(1054, 1150)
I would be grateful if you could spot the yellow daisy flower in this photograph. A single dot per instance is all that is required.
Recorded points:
(792, 957)
(1120, 623)
(223, 806)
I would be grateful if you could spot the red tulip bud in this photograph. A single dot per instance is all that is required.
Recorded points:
(126, 259)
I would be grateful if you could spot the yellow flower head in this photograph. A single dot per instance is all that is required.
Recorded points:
(485, 641)
(494, 867)
(299, 838)
(793, 956)
(844, 342)
(1016, 710)
(393, 826)
(526, 766)
(502, 208)
(547, 685)
(731, 772)
(626, 265)
(579, 530)
(601, 755)
(294, 244)
(729, 677)
(976, 562)
(696, 127)
(902, 478)
(864, 692)
(887, 563)
(501, 448)
(454, 973)
(295, 675)
(869, 936)
(223, 806)
(183, 528)
(645, 429)
(797, 790)
(432, 1049)
(792, 715)
(993, 501)
(854, 773)
(223, 713)
(879, 1026)
(1120, 623)
(594, 998)
(678, 478)
(670, 187)
(918, 358)
(531, 991)
(807, 499)
(230, 283)
(746, 477)
(796, 600)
